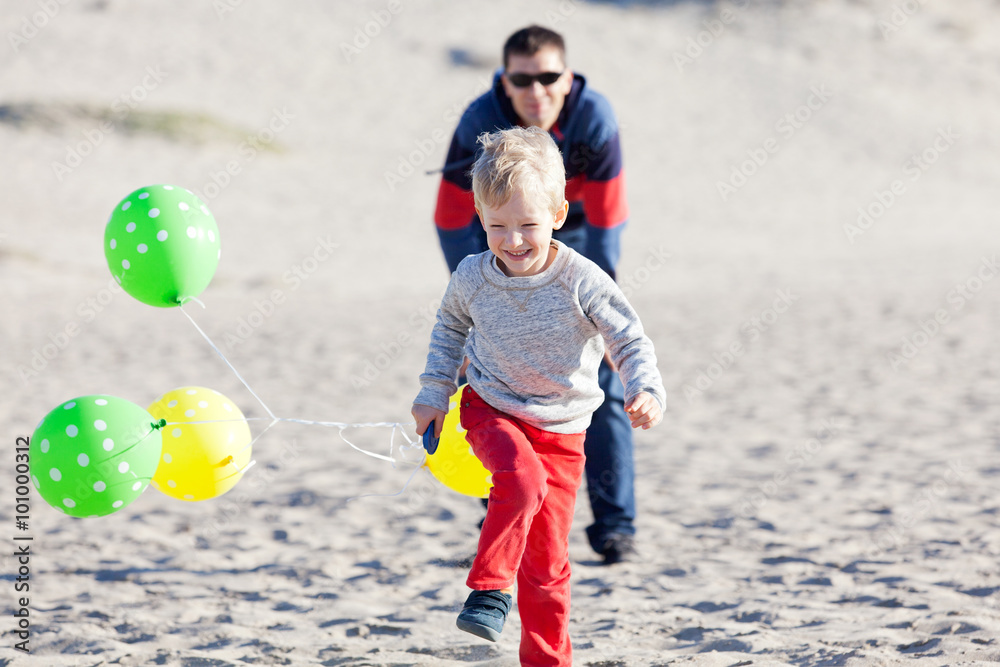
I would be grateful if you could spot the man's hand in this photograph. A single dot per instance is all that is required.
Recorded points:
(425, 414)
(644, 411)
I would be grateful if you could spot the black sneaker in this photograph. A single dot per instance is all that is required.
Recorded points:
(484, 614)
(618, 548)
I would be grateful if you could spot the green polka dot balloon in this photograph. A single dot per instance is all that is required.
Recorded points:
(162, 245)
(94, 455)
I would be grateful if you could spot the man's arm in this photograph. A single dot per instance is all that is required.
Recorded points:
(604, 204)
(455, 214)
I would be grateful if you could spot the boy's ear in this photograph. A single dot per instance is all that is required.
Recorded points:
(561, 215)
(482, 220)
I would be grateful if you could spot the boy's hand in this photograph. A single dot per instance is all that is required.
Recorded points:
(424, 415)
(644, 411)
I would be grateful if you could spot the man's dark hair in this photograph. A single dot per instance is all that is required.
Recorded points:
(529, 41)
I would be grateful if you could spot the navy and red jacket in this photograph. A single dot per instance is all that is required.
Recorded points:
(587, 135)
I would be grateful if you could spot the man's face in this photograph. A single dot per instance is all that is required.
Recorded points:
(535, 104)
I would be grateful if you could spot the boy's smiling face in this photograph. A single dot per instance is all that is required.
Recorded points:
(519, 233)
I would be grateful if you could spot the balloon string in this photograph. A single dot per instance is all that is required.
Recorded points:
(345, 424)
(151, 431)
(274, 419)
(390, 495)
(239, 470)
(182, 301)
(339, 425)
(223, 357)
(297, 421)
(219, 421)
(266, 429)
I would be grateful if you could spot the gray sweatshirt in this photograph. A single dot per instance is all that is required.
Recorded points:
(535, 343)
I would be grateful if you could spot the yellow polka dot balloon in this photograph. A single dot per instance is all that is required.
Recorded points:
(205, 444)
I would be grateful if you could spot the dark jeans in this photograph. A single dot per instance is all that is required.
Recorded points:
(610, 470)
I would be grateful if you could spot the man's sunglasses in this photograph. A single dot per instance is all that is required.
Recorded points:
(524, 80)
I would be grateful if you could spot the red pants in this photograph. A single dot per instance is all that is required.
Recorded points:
(525, 536)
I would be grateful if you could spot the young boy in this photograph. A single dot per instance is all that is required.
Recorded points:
(533, 317)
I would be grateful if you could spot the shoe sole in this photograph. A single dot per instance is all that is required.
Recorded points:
(486, 633)
(630, 557)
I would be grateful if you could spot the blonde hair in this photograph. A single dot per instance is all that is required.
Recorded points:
(522, 159)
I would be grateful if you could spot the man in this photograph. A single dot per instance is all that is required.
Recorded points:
(535, 88)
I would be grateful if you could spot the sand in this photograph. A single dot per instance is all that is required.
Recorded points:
(821, 489)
